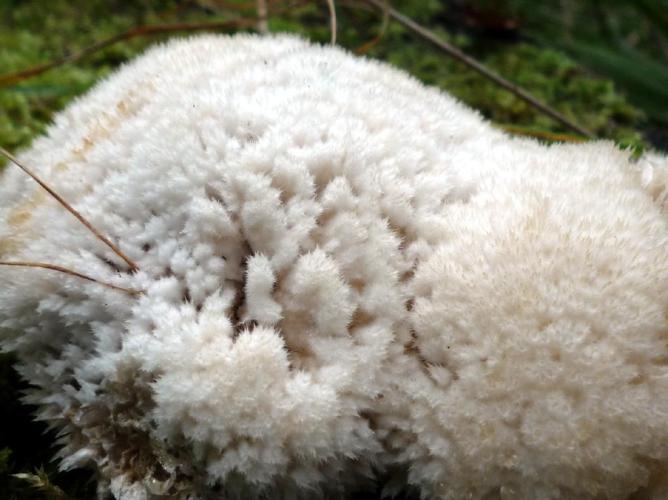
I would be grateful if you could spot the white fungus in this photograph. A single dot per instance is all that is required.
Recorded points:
(344, 276)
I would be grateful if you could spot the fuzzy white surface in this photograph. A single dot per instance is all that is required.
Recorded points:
(344, 273)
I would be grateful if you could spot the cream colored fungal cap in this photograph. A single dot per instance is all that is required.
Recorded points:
(345, 275)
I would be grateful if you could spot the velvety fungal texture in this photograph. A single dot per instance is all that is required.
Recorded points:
(343, 274)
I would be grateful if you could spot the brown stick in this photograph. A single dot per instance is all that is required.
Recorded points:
(139, 31)
(477, 66)
(70, 272)
(71, 209)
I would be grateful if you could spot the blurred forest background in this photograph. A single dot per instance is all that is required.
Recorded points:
(602, 64)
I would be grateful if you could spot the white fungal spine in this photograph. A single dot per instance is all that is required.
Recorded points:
(343, 273)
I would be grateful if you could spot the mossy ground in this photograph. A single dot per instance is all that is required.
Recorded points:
(34, 31)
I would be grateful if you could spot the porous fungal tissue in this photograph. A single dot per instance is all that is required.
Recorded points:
(344, 277)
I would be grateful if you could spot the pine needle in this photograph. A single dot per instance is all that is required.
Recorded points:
(71, 209)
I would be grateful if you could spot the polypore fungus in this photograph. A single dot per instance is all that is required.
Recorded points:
(339, 275)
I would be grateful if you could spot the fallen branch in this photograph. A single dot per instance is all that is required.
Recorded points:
(477, 66)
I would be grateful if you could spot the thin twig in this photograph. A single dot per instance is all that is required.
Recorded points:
(479, 67)
(70, 272)
(142, 31)
(71, 209)
(139, 31)
(332, 21)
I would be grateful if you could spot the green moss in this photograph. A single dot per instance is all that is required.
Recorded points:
(550, 76)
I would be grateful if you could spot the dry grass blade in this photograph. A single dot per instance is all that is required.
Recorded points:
(479, 67)
(332, 20)
(71, 209)
(69, 272)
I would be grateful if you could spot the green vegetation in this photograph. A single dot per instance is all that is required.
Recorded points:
(550, 48)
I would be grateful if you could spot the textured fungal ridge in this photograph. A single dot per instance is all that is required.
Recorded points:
(344, 276)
